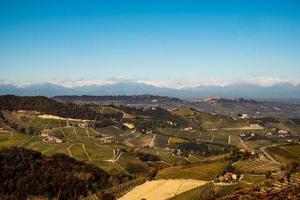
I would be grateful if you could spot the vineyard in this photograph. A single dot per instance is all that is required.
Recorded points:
(286, 153)
(259, 165)
(162, 189)
(207, 191)
(123, 188)
(206, 171)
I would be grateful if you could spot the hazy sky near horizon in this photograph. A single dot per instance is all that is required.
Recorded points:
(168, 42)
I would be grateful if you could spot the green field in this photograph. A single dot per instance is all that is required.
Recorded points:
(253, 179)
(161, 140)
(205, 136)
(235, 140)
(131, 164)
(191, 134)
(194, 158)
(166, 156)
(87, 150)
(207, 171)
(258, 143)
(109, 110)
(39, 124)
(149, 150)
(208, 121)
(258, 166)
(69, 133)
(141, 140)
(221, 138)
(12, 139)
(286, 153)
(176, 140)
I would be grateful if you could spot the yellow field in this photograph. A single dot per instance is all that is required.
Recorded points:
(161, 189)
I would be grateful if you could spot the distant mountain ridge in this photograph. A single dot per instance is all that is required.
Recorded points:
(117, 98)
(241, 90)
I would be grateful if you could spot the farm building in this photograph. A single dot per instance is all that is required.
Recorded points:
(243, 116)
(229, 176)
(187, 129)
(128, 125)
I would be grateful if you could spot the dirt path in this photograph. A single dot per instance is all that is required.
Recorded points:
(75, 132)
(248, 138)
(200, 133)
(86, 152)
(113, 154)
(64, 134)
(169, 140)
(263, 150)
(249, 128)
(87, 132)
(212, 139)
(97, 133)
(292, 122)
(157, 152)
(21, 145)
(116, 155)
(117, 164)
(287, 150)
(135, 137)
(117, 158)
(244, 145)
(126, 142)
(68, 149)
(152, 141)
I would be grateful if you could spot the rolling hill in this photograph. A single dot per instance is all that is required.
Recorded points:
(46, 105)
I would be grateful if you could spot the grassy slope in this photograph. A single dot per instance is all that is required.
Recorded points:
(286, 153)
(207, 171)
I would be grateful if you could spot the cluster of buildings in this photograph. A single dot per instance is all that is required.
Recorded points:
(4, 130)
(50, 138)
(243, 116)
(228, 177)
(247, 150)
(107, 140)
(282, 133)
(177, 152)
(83, 125)
(187, 129)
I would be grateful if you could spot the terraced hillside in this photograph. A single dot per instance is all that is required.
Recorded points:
(258, 165)
(286, 153)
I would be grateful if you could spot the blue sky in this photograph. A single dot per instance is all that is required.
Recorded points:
(168, 43)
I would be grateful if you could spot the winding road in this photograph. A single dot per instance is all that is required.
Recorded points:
(263, 150)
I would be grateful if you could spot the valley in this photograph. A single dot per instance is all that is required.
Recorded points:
(156, 152)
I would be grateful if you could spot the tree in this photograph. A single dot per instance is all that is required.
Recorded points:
(25, 173)
(268, 175)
